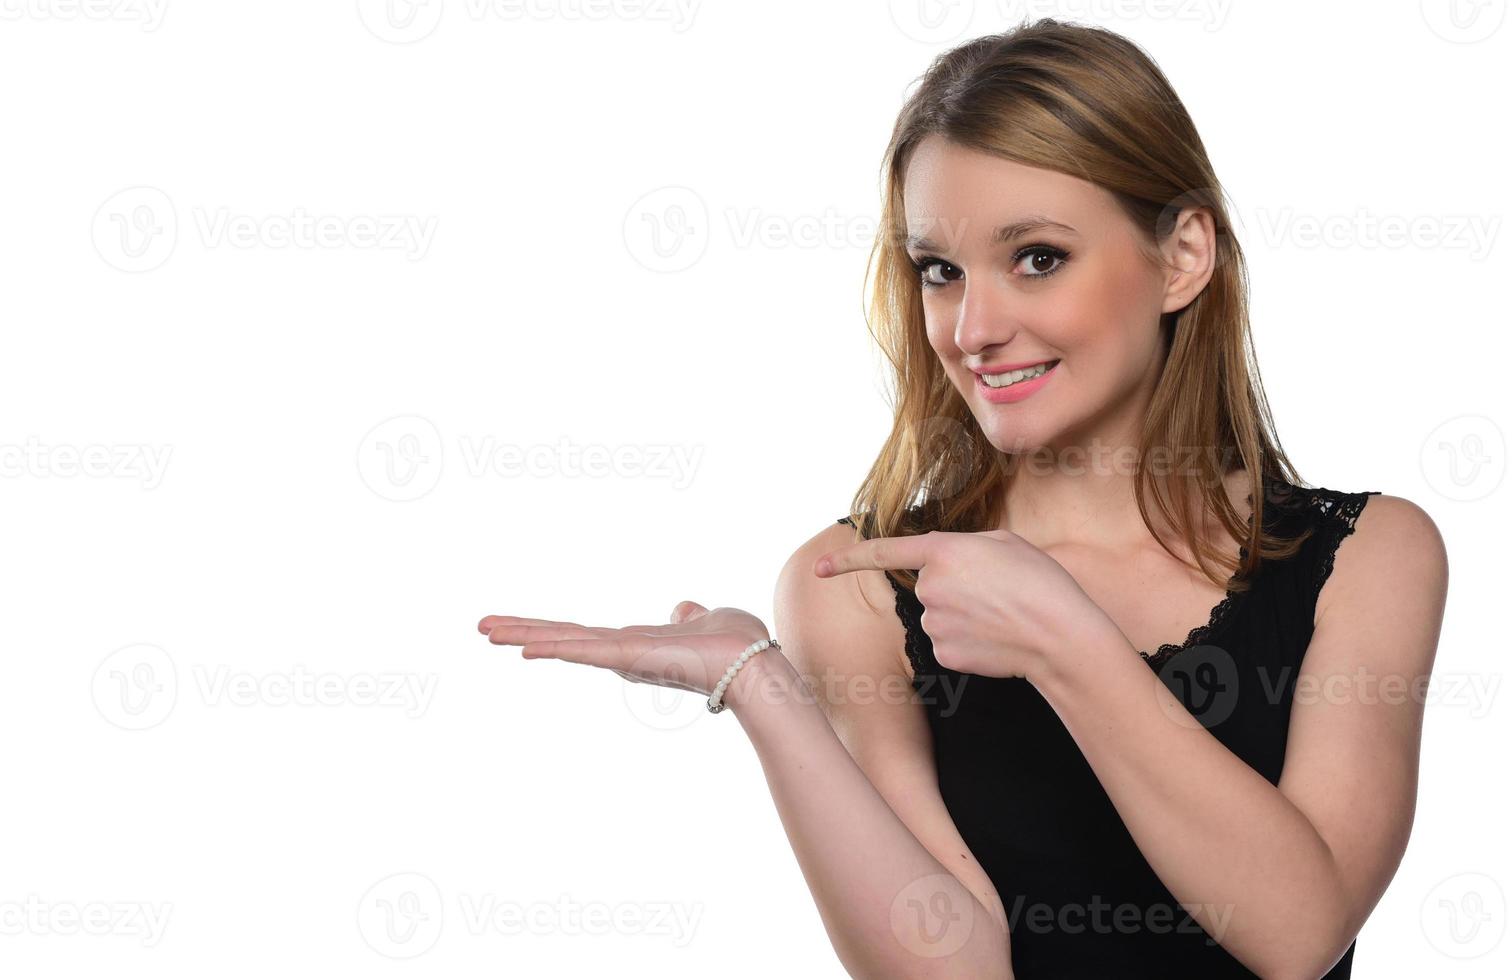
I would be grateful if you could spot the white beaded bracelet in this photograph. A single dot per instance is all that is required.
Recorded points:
(716, 702)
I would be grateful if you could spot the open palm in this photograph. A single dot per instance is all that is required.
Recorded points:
(689, 653)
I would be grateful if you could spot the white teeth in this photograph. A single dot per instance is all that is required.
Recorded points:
(1012, 377)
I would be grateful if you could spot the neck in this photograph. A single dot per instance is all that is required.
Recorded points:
(1057, 498)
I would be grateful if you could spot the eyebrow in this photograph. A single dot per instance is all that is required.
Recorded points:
(1001, 235)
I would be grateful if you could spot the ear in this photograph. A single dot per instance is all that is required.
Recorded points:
(1191, 254)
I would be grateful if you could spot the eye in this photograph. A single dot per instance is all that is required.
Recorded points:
(1043, 261)
(1035, 253)
(924, 266)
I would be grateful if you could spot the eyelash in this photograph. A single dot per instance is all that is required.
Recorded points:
(1058, 253)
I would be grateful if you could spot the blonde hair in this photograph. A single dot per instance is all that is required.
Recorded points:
(1087, 102)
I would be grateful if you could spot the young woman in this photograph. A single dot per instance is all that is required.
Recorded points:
(1021, 721)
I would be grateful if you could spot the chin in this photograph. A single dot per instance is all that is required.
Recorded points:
(1016, 441)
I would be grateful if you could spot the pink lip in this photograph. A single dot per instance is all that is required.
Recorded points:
(1017, 392)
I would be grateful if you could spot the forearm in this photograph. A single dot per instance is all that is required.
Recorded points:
(1249, 866)
(870, 876)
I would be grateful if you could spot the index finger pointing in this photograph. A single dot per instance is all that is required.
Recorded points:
(881, 553)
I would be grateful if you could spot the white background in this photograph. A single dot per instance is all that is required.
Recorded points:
(251, 518)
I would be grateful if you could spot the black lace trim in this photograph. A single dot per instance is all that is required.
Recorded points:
(906, 604)
(1219, 613)
(1334, 513)
(1278, 494)
(1282, 498)
(1339, 511)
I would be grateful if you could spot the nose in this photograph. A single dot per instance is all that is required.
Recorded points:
(985, 319)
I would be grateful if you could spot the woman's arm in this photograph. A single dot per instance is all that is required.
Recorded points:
(1283, 877)
(898, 891)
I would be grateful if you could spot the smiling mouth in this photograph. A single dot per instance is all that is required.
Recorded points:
(1010, 378)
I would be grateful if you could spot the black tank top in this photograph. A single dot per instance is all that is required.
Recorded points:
(1081, 899)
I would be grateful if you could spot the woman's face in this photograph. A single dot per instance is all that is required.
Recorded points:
(1022, 266)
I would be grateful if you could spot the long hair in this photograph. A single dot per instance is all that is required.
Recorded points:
(1087, 102)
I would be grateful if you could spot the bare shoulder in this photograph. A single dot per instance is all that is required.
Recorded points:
(1353, 745)
(1395, 545)
(1393, 566)
(859, 605)
(843, 635)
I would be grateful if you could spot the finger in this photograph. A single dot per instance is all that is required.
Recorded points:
(882, 553)
(687, 610)
(508, 634)
(487, 623)
(618, 653)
